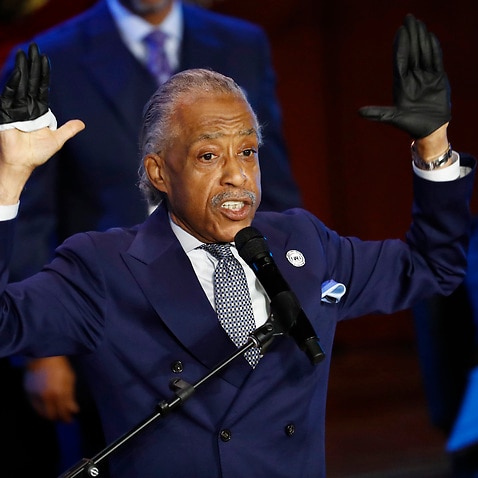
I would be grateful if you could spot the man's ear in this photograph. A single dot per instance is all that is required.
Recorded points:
(154, 167)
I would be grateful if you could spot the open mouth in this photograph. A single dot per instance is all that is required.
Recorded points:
(233, 205)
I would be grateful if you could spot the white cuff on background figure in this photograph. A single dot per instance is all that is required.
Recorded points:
(46, 120)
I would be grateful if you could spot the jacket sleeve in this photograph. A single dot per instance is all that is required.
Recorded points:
(391, 275)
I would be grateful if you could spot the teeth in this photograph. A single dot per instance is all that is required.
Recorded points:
(235, 205)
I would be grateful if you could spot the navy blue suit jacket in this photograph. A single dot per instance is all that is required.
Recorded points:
(129, 303)
(91, 183)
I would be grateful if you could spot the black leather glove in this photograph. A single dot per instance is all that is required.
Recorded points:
(421, 92)
(25, 96)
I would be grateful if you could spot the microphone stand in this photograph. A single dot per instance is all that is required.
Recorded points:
(260, 338)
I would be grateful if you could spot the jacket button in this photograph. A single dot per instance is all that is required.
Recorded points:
(177, 366)
(225, 435)
(289, 429)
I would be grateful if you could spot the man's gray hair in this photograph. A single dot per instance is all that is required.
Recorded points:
(158, 118)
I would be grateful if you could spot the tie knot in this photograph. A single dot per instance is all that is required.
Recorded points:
(220, 250)
(155, 39)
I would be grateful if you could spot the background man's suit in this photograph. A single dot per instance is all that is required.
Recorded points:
(91, 184)
(130, 303)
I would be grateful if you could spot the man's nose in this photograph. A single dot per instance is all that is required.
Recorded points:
(234, 171)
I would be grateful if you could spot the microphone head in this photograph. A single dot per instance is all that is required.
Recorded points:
(251, 244)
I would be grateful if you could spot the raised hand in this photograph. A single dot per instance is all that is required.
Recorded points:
(25, 144)
(421, 92)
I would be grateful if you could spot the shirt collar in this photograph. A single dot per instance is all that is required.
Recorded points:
(187, 241)
(133, 28)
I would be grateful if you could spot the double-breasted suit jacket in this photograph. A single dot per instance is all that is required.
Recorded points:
(127, 301)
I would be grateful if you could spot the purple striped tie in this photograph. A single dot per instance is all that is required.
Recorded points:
(157, 60)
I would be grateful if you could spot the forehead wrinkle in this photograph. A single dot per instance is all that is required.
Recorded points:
(219, 134)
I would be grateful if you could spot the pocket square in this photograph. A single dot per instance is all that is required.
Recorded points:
(332, 291)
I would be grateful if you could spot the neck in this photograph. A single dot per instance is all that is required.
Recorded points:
(153, 12)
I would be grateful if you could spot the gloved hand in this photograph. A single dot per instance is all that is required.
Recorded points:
(421, 92)
(24, 109)
(25, 96)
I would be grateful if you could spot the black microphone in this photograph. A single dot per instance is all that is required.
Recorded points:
(252, 247)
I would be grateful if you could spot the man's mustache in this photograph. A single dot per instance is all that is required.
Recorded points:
(218, 199)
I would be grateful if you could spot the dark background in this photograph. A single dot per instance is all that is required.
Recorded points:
(331, 58)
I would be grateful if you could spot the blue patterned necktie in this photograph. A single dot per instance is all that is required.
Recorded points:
(157, 60)
(232, 298)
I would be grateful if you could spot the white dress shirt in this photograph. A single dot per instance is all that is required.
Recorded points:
(133, 29)
(204, 264)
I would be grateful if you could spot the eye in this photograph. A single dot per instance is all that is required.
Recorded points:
(249, 152)
(207, 157)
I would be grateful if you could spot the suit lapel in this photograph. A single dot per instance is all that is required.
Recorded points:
(179, 299)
